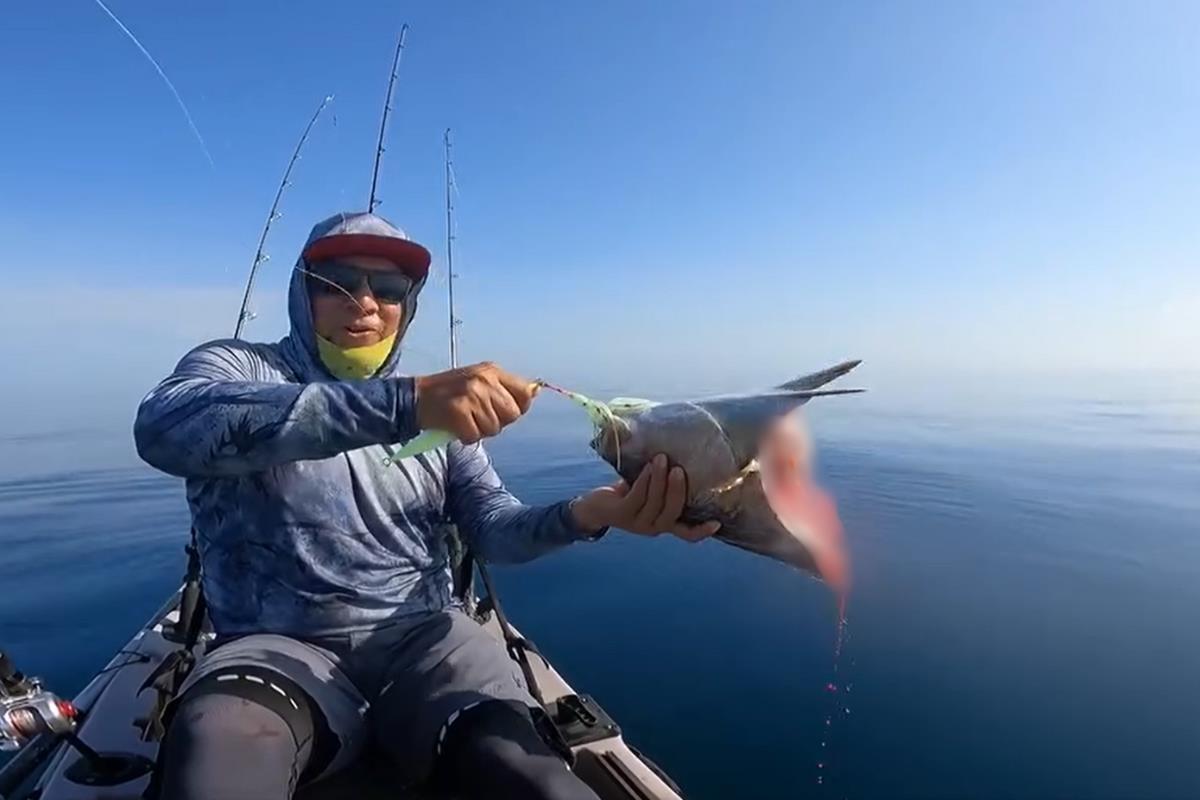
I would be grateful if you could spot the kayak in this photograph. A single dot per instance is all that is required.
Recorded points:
(111, 711)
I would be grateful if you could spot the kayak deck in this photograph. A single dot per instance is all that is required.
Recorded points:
(113, 707)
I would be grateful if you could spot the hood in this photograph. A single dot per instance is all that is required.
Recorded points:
(345, 234)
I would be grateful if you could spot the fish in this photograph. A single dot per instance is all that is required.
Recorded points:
(748, 462)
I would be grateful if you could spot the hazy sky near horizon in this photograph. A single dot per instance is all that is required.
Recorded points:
(649, 192)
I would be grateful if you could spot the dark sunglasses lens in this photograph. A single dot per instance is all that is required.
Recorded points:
(390, 287)
(331, 277)
(335, 279)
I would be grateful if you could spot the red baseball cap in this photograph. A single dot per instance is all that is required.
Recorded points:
(365, 234)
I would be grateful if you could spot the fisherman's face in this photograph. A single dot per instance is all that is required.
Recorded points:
(355, 317)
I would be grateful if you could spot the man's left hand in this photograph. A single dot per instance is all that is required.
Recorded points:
(650, 506)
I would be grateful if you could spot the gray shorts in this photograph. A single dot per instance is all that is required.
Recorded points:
(399, 686)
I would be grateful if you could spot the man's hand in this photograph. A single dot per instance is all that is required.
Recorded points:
(472, 402)
(650, 506)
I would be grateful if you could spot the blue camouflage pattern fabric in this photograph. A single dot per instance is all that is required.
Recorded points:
(302, 527)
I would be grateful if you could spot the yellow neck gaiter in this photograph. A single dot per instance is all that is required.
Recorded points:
(354, 363)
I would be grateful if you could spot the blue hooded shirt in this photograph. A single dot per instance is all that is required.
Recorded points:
(302, 527)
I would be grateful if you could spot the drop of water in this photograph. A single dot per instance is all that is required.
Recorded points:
(846, 710)
(830, 687)
(820, 766)
(820, 779)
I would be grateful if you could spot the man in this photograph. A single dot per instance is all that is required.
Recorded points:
(326, 569)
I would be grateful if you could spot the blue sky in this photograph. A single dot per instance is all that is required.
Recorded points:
(652, 194)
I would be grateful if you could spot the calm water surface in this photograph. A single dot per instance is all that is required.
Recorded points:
(1024, 620)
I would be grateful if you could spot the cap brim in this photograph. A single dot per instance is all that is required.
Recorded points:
(410, 257)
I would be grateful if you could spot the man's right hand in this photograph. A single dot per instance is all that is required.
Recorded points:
(472, 402)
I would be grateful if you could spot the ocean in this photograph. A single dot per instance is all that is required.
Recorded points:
(1023, 621)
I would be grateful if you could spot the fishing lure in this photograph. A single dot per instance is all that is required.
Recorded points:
(602, 416)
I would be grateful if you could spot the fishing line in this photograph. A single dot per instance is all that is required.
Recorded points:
(341, 289)
(178, 99)
(599, 412)
(134, 658)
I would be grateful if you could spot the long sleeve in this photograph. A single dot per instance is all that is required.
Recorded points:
(216, 416)
(499, 528)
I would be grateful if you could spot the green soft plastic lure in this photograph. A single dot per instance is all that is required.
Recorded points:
(423, 442)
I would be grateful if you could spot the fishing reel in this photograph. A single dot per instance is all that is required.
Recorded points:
(27, 709)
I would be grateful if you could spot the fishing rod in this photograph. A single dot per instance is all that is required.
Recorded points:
(450, 188)
(192, 604)
(518, 646)
(373, 201)
(387, 107)
(260, 257)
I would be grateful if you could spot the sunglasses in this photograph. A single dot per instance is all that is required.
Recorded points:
(338, 278)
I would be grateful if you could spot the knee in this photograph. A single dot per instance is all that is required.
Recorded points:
(220, 746)
(220, 721)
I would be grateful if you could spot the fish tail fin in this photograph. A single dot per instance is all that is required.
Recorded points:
(821, 378)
